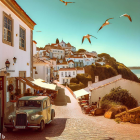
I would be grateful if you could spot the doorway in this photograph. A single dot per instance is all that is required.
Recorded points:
(22, 86)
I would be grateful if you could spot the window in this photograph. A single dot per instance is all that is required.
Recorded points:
(48, 102)
(69, 73)
(63, 81)
(44, 104)
(63, 66)
(58, 68)
(62, 74)
(22, 38)
(65, 73)
(7, 29)
(74, 73)
(46, 70)
(67, 80)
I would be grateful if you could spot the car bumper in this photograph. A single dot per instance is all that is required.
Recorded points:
(21, 127)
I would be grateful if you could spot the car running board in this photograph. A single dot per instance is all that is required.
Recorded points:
(49, 122)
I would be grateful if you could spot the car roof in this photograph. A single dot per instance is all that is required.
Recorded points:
(33, 98)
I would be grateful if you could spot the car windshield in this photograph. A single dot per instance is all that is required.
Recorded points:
(29, 103)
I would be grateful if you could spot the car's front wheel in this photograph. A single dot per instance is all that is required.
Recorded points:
(9, 129)
(52, 114)
(42, 126)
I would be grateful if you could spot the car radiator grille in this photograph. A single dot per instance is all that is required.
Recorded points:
(21, 120)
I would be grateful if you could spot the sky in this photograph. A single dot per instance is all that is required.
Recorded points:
(120, 39)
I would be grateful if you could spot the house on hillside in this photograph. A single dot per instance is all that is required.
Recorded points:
(71, 64)
(65, 74)
(57, 53)
(41, 69)
(16, 51)
(34, 47)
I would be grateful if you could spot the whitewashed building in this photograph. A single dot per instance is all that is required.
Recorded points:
(16, 41)
(57, 53)
(41, 69)
(65, 74)
(34, 47)
(71, 63)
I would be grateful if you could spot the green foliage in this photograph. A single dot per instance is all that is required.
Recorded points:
(119, 96)
(103, 72)
(75, 87)
(118, 120)
(84, 78)
(119, 67)
(112, 69)
(74, 80)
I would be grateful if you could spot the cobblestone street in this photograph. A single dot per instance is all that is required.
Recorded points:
(71, 124)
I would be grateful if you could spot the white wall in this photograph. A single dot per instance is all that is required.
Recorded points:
(64, 75)
(8, 52)
(43, 72)
(131, 86)
(80, 71)
(34, 48)
(61, 66)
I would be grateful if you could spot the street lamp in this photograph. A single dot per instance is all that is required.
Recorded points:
(36, 72)
(7, 63)
(14, 59)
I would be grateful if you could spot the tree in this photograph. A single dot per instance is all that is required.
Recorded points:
(81, 50)
(57, 41)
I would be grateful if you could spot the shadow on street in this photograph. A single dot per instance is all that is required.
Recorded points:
(54, 129)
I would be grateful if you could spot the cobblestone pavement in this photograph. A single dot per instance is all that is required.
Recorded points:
(71, 124)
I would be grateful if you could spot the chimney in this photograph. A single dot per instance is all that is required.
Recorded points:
(89, 84)
(96, 79)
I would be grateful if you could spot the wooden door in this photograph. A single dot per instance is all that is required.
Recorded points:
(1, 102)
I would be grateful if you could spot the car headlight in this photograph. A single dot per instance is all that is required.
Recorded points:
(32, 118)
(10, 117)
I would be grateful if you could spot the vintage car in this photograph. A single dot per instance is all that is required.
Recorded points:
(31, 112)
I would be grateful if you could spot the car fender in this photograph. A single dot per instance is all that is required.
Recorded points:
(39, 118)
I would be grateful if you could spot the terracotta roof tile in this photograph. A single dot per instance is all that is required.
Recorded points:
(80, 68)
(70, 61)
(64, 63)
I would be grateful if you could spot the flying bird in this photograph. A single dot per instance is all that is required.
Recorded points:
(88, 37)
(128, 16)
(38, 31)
(66, 2)
(106, 23)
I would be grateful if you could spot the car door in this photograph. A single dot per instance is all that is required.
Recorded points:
(45, 111)
(48, 109)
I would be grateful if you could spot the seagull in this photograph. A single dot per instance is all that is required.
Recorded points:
(106, 23)
(38, 31)
(66, 2)
(88, 37)
(126, 15)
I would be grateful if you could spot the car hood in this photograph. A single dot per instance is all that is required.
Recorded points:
(29, 111)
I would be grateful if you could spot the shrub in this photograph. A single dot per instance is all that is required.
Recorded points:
(119, 96)
(84, 78)
(75, 87)
(118, 120)
(74, 80)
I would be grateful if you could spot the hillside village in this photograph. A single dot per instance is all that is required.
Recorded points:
(61, 90)
(61, 61)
